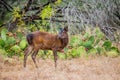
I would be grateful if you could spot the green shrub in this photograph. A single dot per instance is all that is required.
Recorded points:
(112, 53)
(91, 43)
(12, 44)
(23, 44)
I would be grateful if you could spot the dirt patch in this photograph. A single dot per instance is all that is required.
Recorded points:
(99, 68)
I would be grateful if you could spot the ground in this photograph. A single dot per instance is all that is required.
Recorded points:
(97, 68)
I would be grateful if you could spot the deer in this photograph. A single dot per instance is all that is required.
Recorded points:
(39, 40)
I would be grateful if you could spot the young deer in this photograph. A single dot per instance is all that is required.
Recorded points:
(46, 41)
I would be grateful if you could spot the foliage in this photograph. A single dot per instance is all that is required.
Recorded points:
(49, 11)
(12, 44)
(86, 44)
(22, 44)
(46, 12)
(16, 15)
(91, 43)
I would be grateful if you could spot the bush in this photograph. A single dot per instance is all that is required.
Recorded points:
(12, 44)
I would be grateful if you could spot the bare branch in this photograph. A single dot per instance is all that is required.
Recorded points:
(32, 18)
(26, 8)
(6, 5)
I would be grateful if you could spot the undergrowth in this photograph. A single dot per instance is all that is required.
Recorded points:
(89, 43)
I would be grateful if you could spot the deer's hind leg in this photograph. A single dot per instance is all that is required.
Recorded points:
(35, 52)
(27, 52)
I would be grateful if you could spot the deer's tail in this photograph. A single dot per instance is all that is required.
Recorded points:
(30, 39)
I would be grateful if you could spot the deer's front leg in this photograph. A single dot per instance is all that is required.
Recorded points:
(55, 57)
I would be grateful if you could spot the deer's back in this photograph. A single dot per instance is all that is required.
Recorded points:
(45, 41)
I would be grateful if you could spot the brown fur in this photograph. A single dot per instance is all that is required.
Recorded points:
(46, 41)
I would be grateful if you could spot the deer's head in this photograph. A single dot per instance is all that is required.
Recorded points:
(63, 33)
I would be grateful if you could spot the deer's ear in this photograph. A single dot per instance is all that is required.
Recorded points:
(66, 28)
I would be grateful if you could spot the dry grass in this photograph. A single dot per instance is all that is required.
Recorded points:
(99, 68)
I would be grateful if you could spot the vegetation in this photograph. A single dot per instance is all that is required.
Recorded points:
(93, 29)
(12, 43)
(88, 43)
